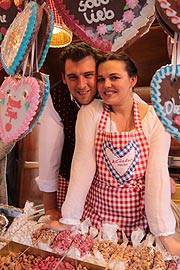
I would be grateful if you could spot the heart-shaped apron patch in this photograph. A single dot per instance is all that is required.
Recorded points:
(19, 101)
(165, 96)
(121, 163)
(107, 24)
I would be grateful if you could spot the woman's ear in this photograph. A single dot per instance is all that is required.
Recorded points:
(133, 81)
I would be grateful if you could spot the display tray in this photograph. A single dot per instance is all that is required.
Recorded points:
(13, 247)
(10, 211)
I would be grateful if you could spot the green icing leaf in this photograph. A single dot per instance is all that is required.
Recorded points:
(2, 101)
(27, 105)
(126, 7)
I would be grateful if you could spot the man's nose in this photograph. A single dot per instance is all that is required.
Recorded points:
(82, 82)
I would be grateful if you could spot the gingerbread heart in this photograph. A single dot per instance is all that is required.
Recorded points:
(121, 163)
(43, 80)
(165, 96)
(107, 25)
(169, 11)
(20, 36)
(19, 101)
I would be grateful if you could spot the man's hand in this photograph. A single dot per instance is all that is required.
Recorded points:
(56, 226)
(54, 214)
(50, 205)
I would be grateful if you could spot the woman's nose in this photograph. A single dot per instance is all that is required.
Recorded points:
(107, 83)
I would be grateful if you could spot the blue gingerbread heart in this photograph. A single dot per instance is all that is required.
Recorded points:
(165, 97)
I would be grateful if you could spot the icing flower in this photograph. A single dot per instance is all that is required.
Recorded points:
(118, 26)
(132, 3)
(128, 16)
(101, 29)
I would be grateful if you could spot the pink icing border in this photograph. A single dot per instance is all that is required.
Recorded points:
(24, 126)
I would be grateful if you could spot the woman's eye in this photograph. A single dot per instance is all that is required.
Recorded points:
(100, 79)
(113, 78)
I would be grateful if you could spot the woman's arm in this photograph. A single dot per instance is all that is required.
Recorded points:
(159, 213)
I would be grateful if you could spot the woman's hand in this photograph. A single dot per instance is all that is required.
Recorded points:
(171, 244)
(173, 185)
(56, 226)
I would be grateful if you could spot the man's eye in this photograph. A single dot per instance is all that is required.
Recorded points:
(72, 78)
(89, 75)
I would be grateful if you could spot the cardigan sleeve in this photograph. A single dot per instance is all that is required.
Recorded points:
(157, 181)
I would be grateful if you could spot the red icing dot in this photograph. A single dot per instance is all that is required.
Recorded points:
(8, 126)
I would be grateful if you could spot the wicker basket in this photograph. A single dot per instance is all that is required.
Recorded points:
(176, 196)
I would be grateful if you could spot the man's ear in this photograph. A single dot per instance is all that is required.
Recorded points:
(63, 78)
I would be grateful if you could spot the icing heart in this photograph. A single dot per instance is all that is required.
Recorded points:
(165, 96)
(106, 24)
(121, 163)
(19, 100)
(3, 30)
(5, 4)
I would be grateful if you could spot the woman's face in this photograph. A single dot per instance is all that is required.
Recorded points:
(113, 82)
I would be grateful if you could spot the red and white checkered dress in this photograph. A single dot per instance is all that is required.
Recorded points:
(62, 190)
(117, 191)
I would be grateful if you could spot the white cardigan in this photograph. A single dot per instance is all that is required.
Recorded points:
(157, 183)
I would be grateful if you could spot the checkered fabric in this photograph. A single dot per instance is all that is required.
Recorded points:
(62, 190)
(57, 18)
(112, 198)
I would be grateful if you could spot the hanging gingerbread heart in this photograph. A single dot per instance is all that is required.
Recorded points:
(164, 25)
(107, 25)
(44, 35)
(169, 11)
(20, 36)
(20, 101)
(165, 96)
(43, 80)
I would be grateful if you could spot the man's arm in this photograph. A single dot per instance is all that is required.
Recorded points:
(50, 205)
(51, 140)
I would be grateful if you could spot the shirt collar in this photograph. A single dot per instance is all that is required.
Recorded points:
(73, 99)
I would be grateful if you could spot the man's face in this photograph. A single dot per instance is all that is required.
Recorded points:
(80, 78)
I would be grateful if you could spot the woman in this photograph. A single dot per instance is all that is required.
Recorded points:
(120, 166)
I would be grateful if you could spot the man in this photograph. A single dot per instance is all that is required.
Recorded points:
(57, 126)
